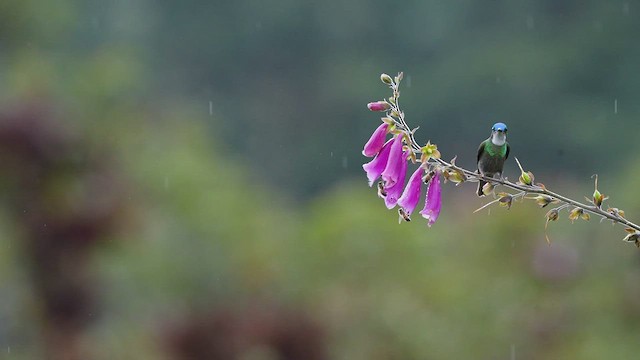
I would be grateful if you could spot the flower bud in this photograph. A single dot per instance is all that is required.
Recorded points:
(526, 178)
(552, 215)
(505, 199)
(598, 198)
(633, 237)
(488, 188)
(386, 79)
(542, 200)
(454, 175)
(616, 212)
(578, 212)
(379, 106)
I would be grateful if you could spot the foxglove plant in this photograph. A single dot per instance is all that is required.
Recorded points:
(433, 204)
(392, 158)
(375, 167)
(376, 142)
(394, 190)
(393, 170)
(411, 195)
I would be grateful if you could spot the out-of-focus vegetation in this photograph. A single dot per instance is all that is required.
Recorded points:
(183, 180)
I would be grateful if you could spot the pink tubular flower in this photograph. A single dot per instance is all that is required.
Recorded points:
(394, 191)
(433, 204)
(375, 167)
(378, 106)
(411, 194)
(391, 172)
(374, 145)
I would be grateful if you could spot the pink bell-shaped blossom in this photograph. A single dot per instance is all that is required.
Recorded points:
(395, 191)
(392, 171)
(375, 143)
(433, 204)
(379, 106)
(411, 194)
(375, 167)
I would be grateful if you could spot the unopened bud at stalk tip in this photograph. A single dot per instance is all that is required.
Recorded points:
(386, 79)
(379, 106)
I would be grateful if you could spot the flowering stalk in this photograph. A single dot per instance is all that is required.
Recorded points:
(429, 158)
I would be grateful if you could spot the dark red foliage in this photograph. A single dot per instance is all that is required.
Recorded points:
(231, 333)
(65, 198)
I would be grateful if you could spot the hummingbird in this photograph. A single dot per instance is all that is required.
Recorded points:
(492, 154)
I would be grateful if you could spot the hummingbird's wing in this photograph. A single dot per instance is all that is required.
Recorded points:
(506, 156)
(481, 151)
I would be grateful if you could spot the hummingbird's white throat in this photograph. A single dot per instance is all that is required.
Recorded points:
(498, 138)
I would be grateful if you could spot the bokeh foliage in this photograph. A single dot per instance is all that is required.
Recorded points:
(236, 129)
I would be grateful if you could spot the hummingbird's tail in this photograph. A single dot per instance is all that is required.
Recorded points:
(480, 186)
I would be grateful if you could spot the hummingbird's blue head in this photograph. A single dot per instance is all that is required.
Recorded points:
(499, 134)
(499, 127)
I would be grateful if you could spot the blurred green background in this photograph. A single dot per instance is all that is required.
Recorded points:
(182, 180)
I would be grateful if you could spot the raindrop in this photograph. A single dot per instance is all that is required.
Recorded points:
(409, 81)
(625, 8)
(615, 106)
(166, 183)
(513, 352)
(345, 162)
(498, 80)
(210, 108)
